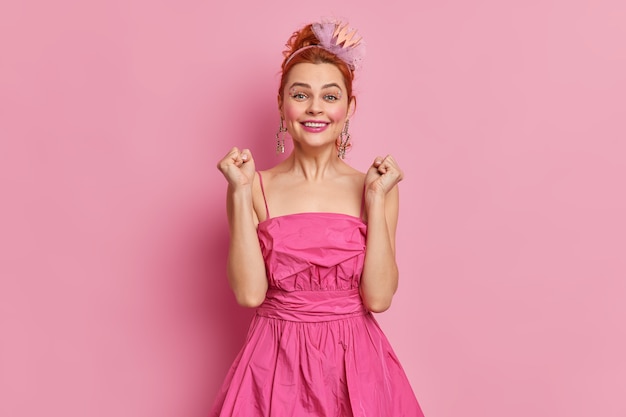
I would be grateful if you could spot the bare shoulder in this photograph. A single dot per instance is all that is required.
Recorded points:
(265, 180)
(272, 172)
(353, 175)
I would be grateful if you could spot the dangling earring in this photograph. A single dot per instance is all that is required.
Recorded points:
(344, 139)
(280, 138)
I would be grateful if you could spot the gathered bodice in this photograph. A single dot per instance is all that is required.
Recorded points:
(313, 251)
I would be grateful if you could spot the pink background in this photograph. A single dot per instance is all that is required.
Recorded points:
(507, 117)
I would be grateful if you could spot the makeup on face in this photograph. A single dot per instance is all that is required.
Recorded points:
(302, 91)
(315, 103)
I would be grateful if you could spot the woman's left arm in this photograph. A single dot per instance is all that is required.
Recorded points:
(380, 272)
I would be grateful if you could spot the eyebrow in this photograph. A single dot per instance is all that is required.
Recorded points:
(296, 84)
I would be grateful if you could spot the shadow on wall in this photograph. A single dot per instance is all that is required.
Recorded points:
(227, 322)
(246, 117)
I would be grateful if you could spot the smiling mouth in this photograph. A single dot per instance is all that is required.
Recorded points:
(314, 124)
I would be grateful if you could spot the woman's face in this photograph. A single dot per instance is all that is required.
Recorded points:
(315, 104)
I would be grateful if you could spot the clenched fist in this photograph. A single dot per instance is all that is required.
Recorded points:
(237, 167)
(383, 175)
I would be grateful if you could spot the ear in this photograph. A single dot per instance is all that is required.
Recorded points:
(351, 107)
(280, 105)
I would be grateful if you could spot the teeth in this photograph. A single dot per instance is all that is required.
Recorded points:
(314, 124)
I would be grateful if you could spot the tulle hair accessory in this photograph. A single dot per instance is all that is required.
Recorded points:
(340, 39)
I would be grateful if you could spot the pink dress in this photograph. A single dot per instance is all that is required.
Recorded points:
(312, 348)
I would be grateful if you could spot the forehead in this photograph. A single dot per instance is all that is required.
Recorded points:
(316, 75)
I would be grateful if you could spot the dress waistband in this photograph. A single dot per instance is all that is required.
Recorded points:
(311, 306)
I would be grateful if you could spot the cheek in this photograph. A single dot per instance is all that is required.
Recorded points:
(291, 110)
(337, 113)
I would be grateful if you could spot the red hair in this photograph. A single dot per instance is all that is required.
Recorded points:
(306, 37)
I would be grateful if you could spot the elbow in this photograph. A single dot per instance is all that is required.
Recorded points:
(250, 296)
(376, 304)
(378, 298)
(250, 292)
(250, 300)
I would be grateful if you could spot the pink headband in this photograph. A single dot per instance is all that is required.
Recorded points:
(339, 39)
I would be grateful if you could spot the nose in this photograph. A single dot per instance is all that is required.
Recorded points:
(315, 106)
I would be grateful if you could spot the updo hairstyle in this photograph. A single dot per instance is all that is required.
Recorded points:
(306, 37)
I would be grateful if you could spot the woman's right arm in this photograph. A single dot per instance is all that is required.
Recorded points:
(245, 268)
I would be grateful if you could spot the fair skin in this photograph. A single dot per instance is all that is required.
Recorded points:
(315, 108)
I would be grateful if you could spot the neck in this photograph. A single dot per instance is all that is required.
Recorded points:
(314, 166)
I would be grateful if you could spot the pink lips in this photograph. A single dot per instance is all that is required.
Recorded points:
(314, 126)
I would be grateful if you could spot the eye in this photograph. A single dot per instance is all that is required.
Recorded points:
(331, 97)
(299, 96)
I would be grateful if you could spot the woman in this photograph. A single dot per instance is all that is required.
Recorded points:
(313, 248)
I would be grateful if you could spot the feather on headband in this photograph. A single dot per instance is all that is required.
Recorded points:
(339, 39)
